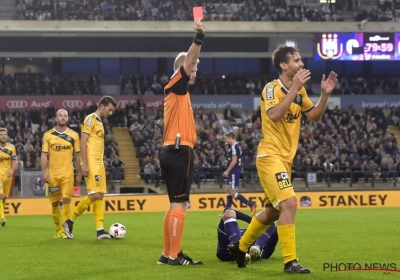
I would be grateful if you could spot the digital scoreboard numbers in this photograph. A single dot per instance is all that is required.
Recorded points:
(379, 46)
(357, 46)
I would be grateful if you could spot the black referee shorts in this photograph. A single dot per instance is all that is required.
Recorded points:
(177, 171)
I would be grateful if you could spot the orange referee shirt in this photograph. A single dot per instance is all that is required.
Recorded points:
(178, 112)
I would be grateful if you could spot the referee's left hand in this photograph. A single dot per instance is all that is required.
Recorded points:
(198, 26)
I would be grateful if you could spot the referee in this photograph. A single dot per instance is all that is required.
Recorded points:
(176, 158)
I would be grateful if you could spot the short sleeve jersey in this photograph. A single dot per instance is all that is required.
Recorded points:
(60, 146)
(280, 139)
(93, 126)
(178, 112)
(235, 150)
(7, 155)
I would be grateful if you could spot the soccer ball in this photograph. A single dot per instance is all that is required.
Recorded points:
(117, 231)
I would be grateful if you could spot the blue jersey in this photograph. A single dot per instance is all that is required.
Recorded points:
(235, 150)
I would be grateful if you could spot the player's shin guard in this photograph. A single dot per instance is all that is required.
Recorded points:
(98, 214)
(82, 206)
(176, 226)
(166, 238)
(66, 212)
(287, 239)
(255, 230)
(55, 211)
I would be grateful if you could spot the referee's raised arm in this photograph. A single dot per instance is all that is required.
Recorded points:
(194, 50)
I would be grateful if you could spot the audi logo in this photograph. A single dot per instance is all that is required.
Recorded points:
(72, 103)
(17, 104)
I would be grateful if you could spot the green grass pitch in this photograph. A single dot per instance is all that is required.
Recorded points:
(28, 250)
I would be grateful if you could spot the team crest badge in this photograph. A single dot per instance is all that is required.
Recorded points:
(298, 99)
(270, 93)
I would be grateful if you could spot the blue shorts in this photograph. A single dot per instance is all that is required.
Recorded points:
(232, 181)
(222, 247)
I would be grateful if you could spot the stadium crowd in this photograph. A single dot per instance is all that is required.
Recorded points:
(153, 84)
(239, 84)
(216, 10)
(45, 84)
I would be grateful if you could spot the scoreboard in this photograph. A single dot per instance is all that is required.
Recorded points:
(357, 46)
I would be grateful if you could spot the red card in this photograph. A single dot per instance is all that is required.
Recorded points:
(197, 13)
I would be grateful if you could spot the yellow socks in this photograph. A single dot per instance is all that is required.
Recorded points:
(55, 210)
(1, 210)
(83, 205)
(254, 231)
(66, 212)
(287, 239)
(98, 214)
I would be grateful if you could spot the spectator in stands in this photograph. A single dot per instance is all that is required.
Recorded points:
(28, 164)
(149, 171)
(205, 169)
(28, 148)
(135, 127)
(118, 170)
(156, 87)
(20, 10)
(229, 114)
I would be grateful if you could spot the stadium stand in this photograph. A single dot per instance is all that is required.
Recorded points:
(45, 84)
(152, 84)
(233, 10)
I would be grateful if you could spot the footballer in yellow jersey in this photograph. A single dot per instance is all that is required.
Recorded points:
(93, 170)
(280, 138)
(93, 128)
(283, 101)
(59, 146)
(8, 164)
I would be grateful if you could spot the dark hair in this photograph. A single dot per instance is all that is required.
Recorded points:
(281, 55)
(230, 135)
(106, 100)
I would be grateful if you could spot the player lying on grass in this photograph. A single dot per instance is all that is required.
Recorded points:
(229, 231)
